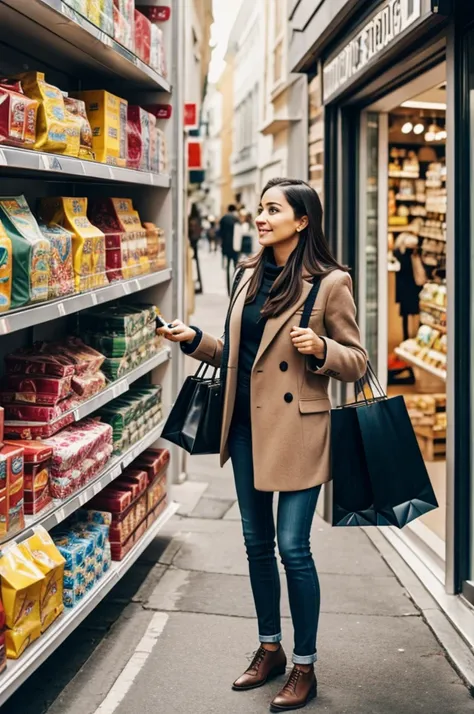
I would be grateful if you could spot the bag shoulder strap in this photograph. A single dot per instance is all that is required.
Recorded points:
(237, 277)
(310, 301)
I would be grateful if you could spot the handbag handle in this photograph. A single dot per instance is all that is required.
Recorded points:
(309, 303)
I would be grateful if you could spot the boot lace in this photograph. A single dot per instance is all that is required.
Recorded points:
(257, 660)
(293, 679)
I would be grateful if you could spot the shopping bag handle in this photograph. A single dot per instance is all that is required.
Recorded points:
(370, 380)
(202, 369)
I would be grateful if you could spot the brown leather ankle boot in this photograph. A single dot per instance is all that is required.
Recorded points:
(300, 688)
(265, 665)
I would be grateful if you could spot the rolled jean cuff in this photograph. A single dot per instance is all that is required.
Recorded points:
(267, 639)
(307, 659)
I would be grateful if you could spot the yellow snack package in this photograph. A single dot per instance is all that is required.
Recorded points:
(21, 583)
(51, 134)
(6, 270)
(88, 242)
(107, 115)
(156, 246)
(73, 133)
(41, 550)
(138, 261)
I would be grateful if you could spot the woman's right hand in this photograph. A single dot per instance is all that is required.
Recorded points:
(177, 332)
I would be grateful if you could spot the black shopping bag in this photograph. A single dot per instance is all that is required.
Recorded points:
(201, 431)
(353, 497)
(173, 428)
(400, 482)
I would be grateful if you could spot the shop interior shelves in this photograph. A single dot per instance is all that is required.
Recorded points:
(52, 29)
(19, 670)
(59, 510)
(120, 386)
(432, 306)
(15, 320)
(24, 161)
(440, 373)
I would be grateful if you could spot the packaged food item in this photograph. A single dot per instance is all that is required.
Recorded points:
(134, 138)
(154, 146)
(74, 553)
(31, 252)
(88, 242)
(123, 147)
(36, 430)
(37, 464)
(61, 269)
(6, 269)
(51, 121)
(78, 108)
(21, 583)
(12, 517)
(156, 246)
(41, 549)
(34, 390)
(135, 235)
(124, 10)
(156, 491)
(73, 125)
(157, 50)
(153, 461)
(162, 151)
(105, 113)
(77, 442)
(87, 386)
(118, 247)
(100, 12)
(35, 360)
(17, 115)
(142, 37)
(36, 412)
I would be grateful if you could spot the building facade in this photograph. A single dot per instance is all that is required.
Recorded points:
(390, 141)
(212, 129)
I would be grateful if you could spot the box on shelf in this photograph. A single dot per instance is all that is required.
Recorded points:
(30, 249)
(51, 127)
(142, 37)
(37, 466)
(100, 13)
(124, 23)
(12, 514)
(107, 114)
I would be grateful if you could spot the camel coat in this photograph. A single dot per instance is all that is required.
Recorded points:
(290, 407)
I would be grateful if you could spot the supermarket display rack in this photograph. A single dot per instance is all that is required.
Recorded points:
(47, 35)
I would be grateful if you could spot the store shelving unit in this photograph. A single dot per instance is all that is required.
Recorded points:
(408, 357)
(48, 36)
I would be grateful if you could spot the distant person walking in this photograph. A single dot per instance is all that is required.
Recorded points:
(212, 234)
(245, 235)
(194, 234)
(226, 231)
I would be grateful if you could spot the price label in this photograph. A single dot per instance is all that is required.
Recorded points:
(60, 515)
(51, 163)
(77, 414)
(94, 298)
(82, 498)
(3, 158)
(4, 326)
(61, 309)
(120, 388)
(97, 488)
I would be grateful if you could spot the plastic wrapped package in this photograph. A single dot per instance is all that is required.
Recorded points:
(86, 360)
(101, 518)
(37, 412)
(73, 125)
(88, 242)
(126, 9)
(156, 491)
(157, 511)
(77, 108)
(35, 361)
(77, 442)
(119, 345)
(162, 151)
(100, 13)
(121, 249)
(142, 37)
(87, 386)
(139, 138)
(61, 269)
(74, 553)
(118, 319)
(156, 246)
(157, 50)
(6, 269)
(51, 134)
(107, 115)
(21, 583)
(135, 234)
(17, 115)
(41, 549)
(153, 461)
(31, 252)
(34, 389)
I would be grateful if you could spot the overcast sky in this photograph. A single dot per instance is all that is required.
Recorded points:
(225, 12)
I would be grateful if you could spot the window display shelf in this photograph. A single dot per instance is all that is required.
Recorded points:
(431, 306)
(59, 510)
(69, 35)
(15, 320)
(19, 670)
(25, 160)
(119, 387)
(440, 373)
(403, 175)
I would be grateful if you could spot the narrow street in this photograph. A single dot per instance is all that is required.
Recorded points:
(180, 627)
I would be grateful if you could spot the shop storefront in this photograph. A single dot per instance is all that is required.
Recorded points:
(398, 93)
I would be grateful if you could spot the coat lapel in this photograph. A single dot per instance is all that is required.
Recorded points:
(274, 324)
(236, 317)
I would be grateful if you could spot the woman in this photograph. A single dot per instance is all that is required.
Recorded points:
(276, 415)
(244, 235)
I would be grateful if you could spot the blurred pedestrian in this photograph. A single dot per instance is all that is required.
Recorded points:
(194, 235)
(212, 234)
(276, 414)
(244, 235)
(226, 231)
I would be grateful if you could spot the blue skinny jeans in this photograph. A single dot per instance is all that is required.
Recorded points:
(294, 519)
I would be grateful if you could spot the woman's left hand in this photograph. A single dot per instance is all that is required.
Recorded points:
(308, 342)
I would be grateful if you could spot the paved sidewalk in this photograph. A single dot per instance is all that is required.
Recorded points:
(186, 625)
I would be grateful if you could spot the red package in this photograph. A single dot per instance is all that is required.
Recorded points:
(37, 413)
(140, 531)
(32, 360)
(85, 359)
(153, 515)
(34, 390)
(153, 461)
(140, 477)
(128, 485)
(142, 37)
(36, 501)
(154, 146)
(101, 214)
(37, 462)
(11, 473)
(17, 115)
(35, 430)
(111, 499)
(155, 492)
(119, 551)
(88, 386)
(134, 137)
(78, 442)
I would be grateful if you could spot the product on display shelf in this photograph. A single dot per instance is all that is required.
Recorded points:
(21, 583)
(41, 549)
(108, 119)
(31, 252)
(51, 129)
(135, 236)
(79, 6)
(133, 415)
(31, 389)
(77, 109)
(142, 37)
(100, 13)
(61, 268)
(6, 269)
(88, 242)
(138, 138)
(156, 245)
(18, 115)
(124, 11)
(37, 466)
(12, 513)
(114, 342)
(3, 648)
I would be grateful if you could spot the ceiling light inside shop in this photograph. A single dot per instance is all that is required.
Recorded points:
(414, 104)
(407, 127)
(419, 128)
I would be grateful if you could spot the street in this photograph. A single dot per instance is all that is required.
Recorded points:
(180, 627)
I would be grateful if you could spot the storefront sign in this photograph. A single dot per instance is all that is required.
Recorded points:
(191, 115)
(195, 154)
(379, 32)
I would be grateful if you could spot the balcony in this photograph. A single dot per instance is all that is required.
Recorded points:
(244, 160)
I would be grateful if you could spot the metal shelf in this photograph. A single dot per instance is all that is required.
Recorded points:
(78, 42)
(19, 670)
(440, 373)
(59, 510)
(29, 316)
(120, 386)
(37, 161)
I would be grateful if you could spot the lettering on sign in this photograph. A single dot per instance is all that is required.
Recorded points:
(377, 34)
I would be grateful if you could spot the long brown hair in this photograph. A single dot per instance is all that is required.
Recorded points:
(312, 254)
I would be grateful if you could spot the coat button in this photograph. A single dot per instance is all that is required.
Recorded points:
(288, 398)
(283, 366)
